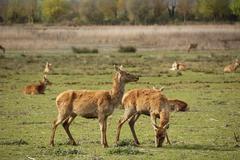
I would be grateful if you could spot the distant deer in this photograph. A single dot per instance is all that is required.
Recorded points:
(232, 67)
(2, 48)
(192, 46)
(37, 88)
(178, 105)
(149, 102)
(48, 68)
(178, 66)
(91, 104)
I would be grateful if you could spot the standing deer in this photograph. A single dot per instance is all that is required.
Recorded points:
(91, 104)
(178, 66)
(232, 67)
(149, 102)
(37, 88)
(2, 48)
(192, 46)
(48, 68)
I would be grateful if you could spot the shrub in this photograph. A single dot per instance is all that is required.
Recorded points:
(84, 50)
(127, 49)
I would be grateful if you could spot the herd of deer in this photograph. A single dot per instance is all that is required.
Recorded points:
(101, 104)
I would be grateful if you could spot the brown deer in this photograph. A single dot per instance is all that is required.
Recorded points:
(91, 104)
(178, 105)
(37, 88)
(232, 67)
(149, 102)
(48, 68)
(178, 66)
(2, 48)
(192, 46)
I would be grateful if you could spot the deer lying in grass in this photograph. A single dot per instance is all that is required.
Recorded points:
(192, 46)
(48, 68)
(2, 48)
(175, 105)
(232, 67)
(178, 66)
(178, 105)
(149, 102)
(37, 88)
(91, 104)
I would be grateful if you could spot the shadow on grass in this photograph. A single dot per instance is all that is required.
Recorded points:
(200, 147)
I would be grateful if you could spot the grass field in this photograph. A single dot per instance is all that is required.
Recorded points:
(152, 37)
(205, 132)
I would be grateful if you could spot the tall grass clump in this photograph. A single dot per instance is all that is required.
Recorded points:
(84, 50)
(127, 49)
(124, 151)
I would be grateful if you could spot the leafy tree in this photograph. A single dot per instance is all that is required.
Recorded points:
(216, 9)
(54, 10)
(122, 14)
(90, 13)
(108, 8)
(184, 8)
(140, 11)
(235, 7)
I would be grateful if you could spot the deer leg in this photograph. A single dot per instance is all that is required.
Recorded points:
(154, 124)
(127, 114)
(66, 125)
(131, 125)
(168, 140)
(103, 128)
(59, 120)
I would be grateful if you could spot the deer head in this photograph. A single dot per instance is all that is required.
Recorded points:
(124, 76)
(237, 63)
(160, 134)
(45, 81)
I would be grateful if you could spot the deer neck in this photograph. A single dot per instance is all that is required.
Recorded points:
(117, 90)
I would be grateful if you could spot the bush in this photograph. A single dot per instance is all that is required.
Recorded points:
(124, 151)
(127, 49)
(84, 50)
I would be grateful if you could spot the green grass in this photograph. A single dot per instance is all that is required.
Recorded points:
(205, 132)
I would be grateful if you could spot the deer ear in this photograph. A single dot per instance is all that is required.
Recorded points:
(117, 68)
(166, 126)
(121, 68)
(161, 89)
(155, 126)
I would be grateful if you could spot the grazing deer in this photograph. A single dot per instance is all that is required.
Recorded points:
(192, 46)
(2, 48)
(178, 105)
(37, 88)
(232, 67)
(149, 102)
(48, 68)
(178, 66)
(91, 104)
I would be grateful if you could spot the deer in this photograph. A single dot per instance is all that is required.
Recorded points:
(178, 105)
(91, 104)
(48, 68)
(178, 66)
(175, 105)
(149, 102)
(37, 88)
(232, 67)
(192, 46)
(2, 48)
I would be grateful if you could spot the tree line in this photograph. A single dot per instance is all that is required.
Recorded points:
(85, 12)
